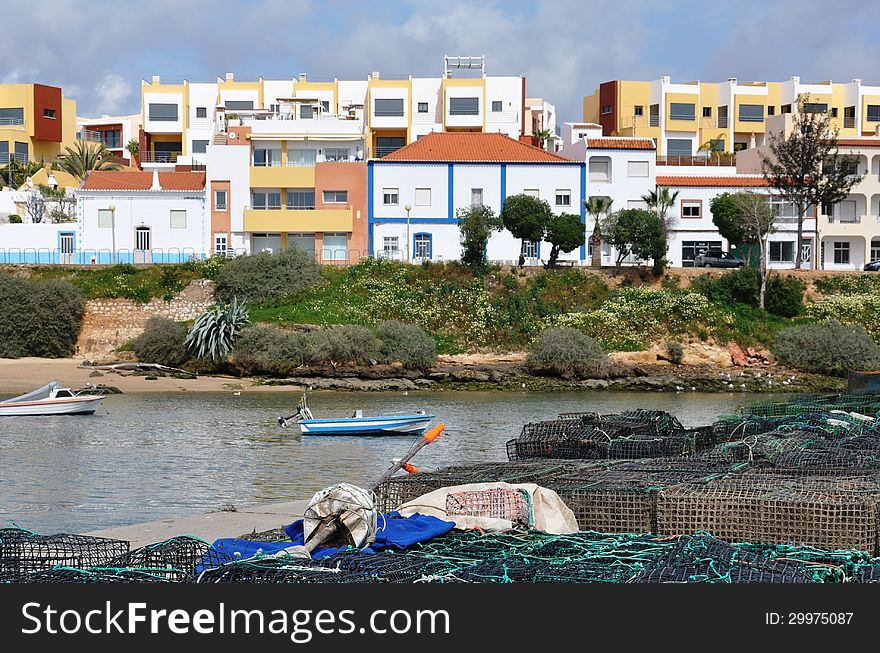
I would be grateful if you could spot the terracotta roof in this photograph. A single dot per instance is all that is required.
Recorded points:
(858, 142)
(584, 125)
(737, 181)
(453, 147)
(621, 143)
(143, 180)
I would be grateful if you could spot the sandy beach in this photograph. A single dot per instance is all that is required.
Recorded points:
(23, 374)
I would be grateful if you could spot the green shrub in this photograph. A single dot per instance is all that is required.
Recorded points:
(38, 318)
(566, 353)
(163, 342)
(14, 218)
(214, 332)
(861, 309)
(267, 350)
(675, 352)
(267, 278)
(785, 296)
(848, 284)
(407, 344)
(741, 286)
(827, 348)
(345, 343)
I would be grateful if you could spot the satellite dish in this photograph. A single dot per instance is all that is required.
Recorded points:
(232, 136)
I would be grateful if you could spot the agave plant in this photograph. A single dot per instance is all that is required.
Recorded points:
(215, 330)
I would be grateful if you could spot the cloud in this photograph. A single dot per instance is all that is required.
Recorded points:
(113, 92)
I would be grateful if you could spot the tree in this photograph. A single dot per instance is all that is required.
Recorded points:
(476, 224)
(85, 156)
(660, 201)
(727, 220)
(525, 217)
(60, 205)
(133, 147)
(805, 167)
(565, 232)
(597, 207)
(639, 232)
(541, 135)
(14, 173)
(752, 213)
(35, 206)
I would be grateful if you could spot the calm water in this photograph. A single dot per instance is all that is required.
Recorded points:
(145, 457)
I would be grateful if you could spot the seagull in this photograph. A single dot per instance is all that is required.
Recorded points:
(237, 393)
(693, 388)
(678, 388)
(406, 393)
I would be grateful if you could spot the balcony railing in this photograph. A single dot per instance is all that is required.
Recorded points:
(653, 121)
(844, 219)
(717, 159)
(384, 150)
(425, 119)
(89, 135)
(502, 116)
(327, 206)
(159, 157)
(11, 122)
(721, 123)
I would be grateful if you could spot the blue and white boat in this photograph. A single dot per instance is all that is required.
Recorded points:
(404, 424)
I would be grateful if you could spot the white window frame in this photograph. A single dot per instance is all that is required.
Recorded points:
(390, 196)
(335, 250)
(426, 242)
(532, 192)
(781, 247)
(221, 244)
(565, 195)
(844, 248)
(171, 216)
(689, 205)
(422, 197)
(105, 219)
(476, 197)
(390, 245)
(638, 169)
(324, 196)
(218, 206)
(599, 176)
(531, 249)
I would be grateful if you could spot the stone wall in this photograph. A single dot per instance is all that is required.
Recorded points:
(109, 323)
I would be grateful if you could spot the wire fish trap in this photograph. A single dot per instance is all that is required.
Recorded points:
(866, 574)
(175, 558)
(67, 575)
(864, 404)
(23, 552)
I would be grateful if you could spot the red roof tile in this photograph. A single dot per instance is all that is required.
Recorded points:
(858, 142)
(142, 180)
(724, 182)
(621, 143)
(584, 125)
(452, 147)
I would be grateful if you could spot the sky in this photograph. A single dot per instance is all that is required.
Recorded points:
(99, 50)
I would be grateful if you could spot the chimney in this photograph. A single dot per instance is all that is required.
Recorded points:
(156, 80)
(877, 130)
(156, 185)
(303, 77)
(374, 74)
(230, 77)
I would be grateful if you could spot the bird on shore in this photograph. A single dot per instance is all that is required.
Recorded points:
(237, 393)
(678, 388)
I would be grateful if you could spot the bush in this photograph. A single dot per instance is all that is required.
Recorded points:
(38, 318)
(741, 286)
(408, 344)
(163, 342)
(785, 296)
(827, 348)
(267, 350)
(267, 278)
(345, 343)
(566, 353)
(858, 309)
(848, 284)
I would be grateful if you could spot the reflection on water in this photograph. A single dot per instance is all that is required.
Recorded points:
(150, 456)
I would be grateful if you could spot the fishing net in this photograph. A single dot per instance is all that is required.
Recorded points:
(175, 559)
(23, 552)
(867, 574)
(864, 404)
(58, 575)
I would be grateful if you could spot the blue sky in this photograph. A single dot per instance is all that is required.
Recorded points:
(98, 50)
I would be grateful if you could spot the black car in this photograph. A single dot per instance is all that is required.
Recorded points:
(717, 260)
(873, 266)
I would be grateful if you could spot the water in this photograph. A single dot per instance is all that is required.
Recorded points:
(152, 456)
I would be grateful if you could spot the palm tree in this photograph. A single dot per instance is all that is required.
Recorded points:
(14, 174)
(85, 156)
(541, 135)
(597, 207)
(660, 201)
(133, 147)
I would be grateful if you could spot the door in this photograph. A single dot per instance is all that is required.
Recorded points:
(690, 249)
(807, 254)
(142, 245)
(66, 243)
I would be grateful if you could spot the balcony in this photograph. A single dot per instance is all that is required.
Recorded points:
(502, 116)
(12, 123)
(717, 159)
(289, 176)
(849, 122)
(159, 157)
(844, 219)
(274, 126)
(326, 217)
(722, 122)
(89, 135)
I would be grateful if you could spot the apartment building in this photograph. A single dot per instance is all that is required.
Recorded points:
(36, 122)
(693, 118)
(115, 132)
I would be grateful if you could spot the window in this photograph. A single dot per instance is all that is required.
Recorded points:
(162, 113)
(325, 105)
(751, 113)
(833, 112)
(875, 249)
(200, 147)
(563, 197)
(532, 192)
(219, 200)
(335, 247)
(464, 106)
(841, 252)
(178, 219)
(637, 169)
(607, 109)
(105, 219)
(390, 246)
(390, 196)
(275, 108)
(301, 199)
(301, 157)
(264, 157)
(782, 252)
(220, 244)
(4, 152)
(476, 197)
(691, 209)
(690, 249)
(337, 154)
(388, 144)
(707, 112)
(721, 122)
(21, 152)
(423, 107)
(422, 246)
(771, 110)
(270, 199)
(679, 147)
(49, 113)
(681, 111)
(638, 110)
(874, 113)
(202, 112)
(239, 104)
(388, 107)
(497, 106)
(716, 144)
(423, 197)
(785, 108)
(531, 248)
(112, 138)
(739, 146)
(335, 197)
(815, 107)
(306, 111)
(13, 116)
(600, 169)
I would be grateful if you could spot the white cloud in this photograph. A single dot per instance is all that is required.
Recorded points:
(113, 92)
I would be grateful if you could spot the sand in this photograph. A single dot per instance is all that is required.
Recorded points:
(23, 374)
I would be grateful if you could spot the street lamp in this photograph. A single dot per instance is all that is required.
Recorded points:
(408, 208)
(112, 208)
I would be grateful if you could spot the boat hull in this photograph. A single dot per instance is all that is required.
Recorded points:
(68, 406)
(361, 426)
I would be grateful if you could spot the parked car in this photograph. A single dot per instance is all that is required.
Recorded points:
(873, 266)
(717, 260)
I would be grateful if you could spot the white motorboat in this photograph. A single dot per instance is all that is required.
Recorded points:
(52, 399)
(357, 424)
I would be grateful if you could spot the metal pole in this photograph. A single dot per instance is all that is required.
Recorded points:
(113, 232)
(408, 253)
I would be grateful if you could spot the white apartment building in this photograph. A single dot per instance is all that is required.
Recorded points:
(115, 132)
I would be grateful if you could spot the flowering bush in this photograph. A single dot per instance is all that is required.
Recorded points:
(849, 284)
(861, 309)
